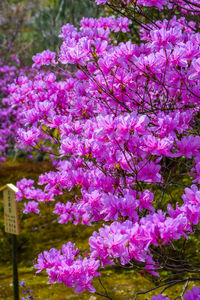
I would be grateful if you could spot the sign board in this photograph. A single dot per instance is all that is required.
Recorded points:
(11, 218)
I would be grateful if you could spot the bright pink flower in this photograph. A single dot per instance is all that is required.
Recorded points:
(44, 58)
(159, 297)
(194, 294)
(31, 206)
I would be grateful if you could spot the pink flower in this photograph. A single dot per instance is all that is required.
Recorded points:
(31, 206)
(149, 172)
(194, 294)
(195, 72)
(44, 58)
(159, 297)
(189, 146)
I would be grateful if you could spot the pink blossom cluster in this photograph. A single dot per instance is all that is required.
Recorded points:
(114, 24)
(159, 297)
(128, 240)
(47, 57)
(8, 113)
(193, 294)
(186, 6)
(121, 125)
(66, 266)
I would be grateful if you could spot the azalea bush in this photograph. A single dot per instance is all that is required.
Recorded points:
(120, 122)
(9, 120)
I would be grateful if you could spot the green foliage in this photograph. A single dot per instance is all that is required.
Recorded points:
(50, 19)
(31, 26)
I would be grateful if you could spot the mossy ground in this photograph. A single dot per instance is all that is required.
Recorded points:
(39, 233)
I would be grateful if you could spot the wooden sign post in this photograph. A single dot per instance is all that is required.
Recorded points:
(11, 221)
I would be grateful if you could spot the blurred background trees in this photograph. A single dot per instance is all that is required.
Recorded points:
(30, 26)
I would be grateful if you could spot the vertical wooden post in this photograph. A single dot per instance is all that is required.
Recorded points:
(12, 226)
(15, 271)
